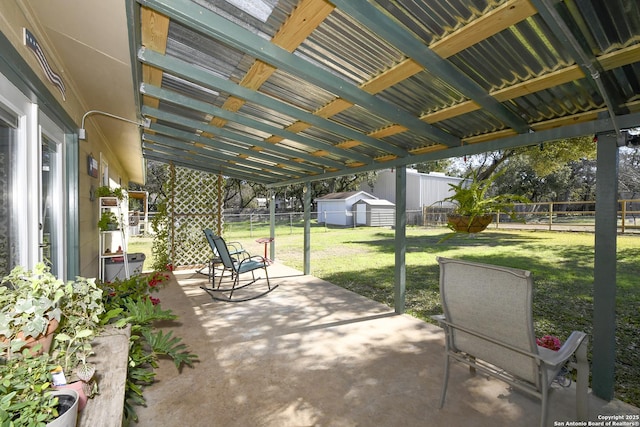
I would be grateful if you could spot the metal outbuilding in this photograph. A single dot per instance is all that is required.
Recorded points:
(336, 208)
(374, 213)
(423, 189)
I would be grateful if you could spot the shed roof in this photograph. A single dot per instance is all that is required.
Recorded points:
(343, 196)
(299, 90)
(375, 202)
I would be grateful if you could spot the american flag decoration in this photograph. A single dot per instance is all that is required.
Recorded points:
(31, 42)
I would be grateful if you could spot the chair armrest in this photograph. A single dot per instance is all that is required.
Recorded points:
(439, 318)
(235, 248)
(566, 351)
(254, 258)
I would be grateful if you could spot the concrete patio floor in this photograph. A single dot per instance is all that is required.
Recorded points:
(313, 354)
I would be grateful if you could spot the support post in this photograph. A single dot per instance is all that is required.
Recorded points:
(604, 292)
(400, 239)
(272, 226)
(307, 227)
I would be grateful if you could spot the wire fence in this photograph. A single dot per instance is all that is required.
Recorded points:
(558, 216)
(552, 216)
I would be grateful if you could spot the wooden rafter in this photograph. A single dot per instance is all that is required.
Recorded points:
(304, 19)
(484, 27)
(154, 34)
(309, 14)
(502, 17)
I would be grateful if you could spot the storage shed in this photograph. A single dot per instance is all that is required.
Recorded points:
(374, 213)
(336, 208)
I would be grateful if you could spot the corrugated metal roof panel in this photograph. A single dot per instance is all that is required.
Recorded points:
(348, 50)
(422, 93)
(386, 77)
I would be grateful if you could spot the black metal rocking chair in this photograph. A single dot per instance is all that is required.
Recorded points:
(237, 266)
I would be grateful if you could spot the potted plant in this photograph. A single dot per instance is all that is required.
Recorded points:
(108, 221)
(105, 191)
(82, 308)
(29, 309)
(26, 396)
(475, 206)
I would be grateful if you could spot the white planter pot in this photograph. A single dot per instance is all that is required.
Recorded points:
(70, 415)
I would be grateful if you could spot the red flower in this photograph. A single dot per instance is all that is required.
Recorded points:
(550, 342)
(157, 278)
(154, 301)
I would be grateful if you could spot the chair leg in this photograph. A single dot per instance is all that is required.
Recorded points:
(236, 281)
(266, 274)
(545, 404)
(445, 380)
(220, 280)
(582, 398)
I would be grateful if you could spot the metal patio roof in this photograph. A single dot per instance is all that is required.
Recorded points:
(286, 91)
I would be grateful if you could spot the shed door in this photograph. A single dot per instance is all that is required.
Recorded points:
(361, 214)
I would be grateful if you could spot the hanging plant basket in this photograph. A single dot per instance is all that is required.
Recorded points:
(467, 224)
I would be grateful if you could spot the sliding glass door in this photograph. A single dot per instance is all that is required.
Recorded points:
(33, 197)
(50, 223)
(9, 242)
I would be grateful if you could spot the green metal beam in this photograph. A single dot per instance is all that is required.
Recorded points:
(208, 80)
(555, 134)
(187, 165)
(218, 27)
(168, 155)
(381, 24)
(224, 133)
(204, 107)
(209, 155)
(210, 164)
(219, 145)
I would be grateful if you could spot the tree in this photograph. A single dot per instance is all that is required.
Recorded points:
(543, 159)
(441, 165)
(629, 172)
(240, 193)
(157, 175)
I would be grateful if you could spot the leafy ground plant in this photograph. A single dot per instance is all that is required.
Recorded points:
(129, 302)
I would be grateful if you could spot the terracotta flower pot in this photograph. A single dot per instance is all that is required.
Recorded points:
(462, 224)
(45, 339)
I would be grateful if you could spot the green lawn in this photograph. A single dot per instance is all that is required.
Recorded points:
(362, 260)
(143, 245)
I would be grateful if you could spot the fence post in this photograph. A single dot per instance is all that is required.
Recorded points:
(624, 214)
(550, 215)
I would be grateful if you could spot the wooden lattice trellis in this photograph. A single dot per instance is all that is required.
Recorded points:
(195, 203)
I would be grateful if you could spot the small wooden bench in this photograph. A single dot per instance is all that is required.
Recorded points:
(111, 359)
